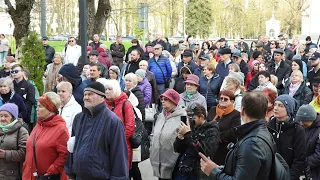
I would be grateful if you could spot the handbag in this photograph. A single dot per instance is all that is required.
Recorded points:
(47, 177)
(150, 112)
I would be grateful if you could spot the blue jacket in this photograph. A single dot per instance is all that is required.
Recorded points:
(198, 72)
(223, 70)
(100, 150)
(191, 64)
(17, 100)
(165, 65)
(210, 89)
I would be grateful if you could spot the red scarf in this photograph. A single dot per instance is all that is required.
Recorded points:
(220, 112)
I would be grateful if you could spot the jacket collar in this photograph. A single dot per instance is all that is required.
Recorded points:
(245, 129)
(96, 110)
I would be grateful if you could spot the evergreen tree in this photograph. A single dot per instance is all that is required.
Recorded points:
(199, 18)
(33, 58)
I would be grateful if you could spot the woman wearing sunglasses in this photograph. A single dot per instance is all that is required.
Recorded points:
(162, 155)
(227, 118)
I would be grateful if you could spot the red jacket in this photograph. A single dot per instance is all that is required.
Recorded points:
(128, 120)
(51, 148)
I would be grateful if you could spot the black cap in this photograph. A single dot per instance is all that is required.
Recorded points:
(280, 35)
(149, 44)
(94, 52)
(222, 39)
(279, 51)
(315, 56)
(236, 54)
(213, 47)
(97, 88)
(308, 38)
(187, 54)
(225, 51)
(204, 57)
(45, 38)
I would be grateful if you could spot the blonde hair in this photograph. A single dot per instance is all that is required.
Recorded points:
(143, 62)
(131, 77)
(55, 98)
(274, 80)
(297, 72)
(235, 67)
(235, 81)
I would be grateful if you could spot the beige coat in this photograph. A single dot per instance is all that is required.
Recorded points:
(14, 153)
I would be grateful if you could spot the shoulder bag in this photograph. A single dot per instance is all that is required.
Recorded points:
(166, 82)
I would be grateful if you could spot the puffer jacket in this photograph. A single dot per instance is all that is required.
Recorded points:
(313, 148)
(210, 88)
(103, 58)
(164, 64)
(128, 121)
(207, 136)
(162, 155)
(141, 106)
(291, 145)
(14, 144)
(251, 158)
(196, 98)
(303, 95)
(146, 89)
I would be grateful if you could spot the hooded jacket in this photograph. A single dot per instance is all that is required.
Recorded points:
(51, 148)
(128, 121)
(290, 139)
(210, 88)
(313, 148)
(103, 58)
(162, 155)
(146, 89)
(15, 151)
(70, 72)
(69, 111)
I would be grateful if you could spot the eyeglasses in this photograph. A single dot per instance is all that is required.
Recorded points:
(164, 99)
(196, 44)
(14, 71)
(224, 99)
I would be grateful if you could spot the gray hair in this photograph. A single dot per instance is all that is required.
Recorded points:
(131, 77)
(59, 54)
(55, 98)
(115, 85)
(65, 84)
(7, 81)
(103, 46)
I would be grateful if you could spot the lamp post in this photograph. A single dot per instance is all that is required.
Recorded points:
(185, 2)
(83, 29)
(43, 22)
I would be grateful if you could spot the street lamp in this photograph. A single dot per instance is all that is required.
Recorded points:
(83, 30)
(184, 17)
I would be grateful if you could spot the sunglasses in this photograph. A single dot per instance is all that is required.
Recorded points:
(224, 99)
(196, 44)
(71, 41)
(14, 71)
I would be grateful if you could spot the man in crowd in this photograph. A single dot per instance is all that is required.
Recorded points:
(160, 41)
(315, 63)
(95, 43)
(266, 44)
(244, 67)
(288, 52)
(187, 61)
(95, 73)
(223, 43)
(48, 50)
(133, 64)
(309, 44)
(265, 55)
(204, 61)
(243, 46)
(80, 64)
(251, 157)
(71, 52)
(93, 59)
(104, 132)
(25, 89)
(161, 68)
(149, 51)
(279, 67)
(223, 65)
(118, 52)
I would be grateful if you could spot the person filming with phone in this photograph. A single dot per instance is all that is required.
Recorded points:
(194, 135)
(251, 157)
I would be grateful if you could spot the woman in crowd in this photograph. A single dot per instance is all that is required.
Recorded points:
(52, 73)
(191, 94)
(131, 82)
(264, 81)
(7, 95)
(196, 131)
(297, 88)
(234, 67)
(114, 73)
(289, 135)
(262, 67)
(85, 72)
(252, 48)
(210, 85)
(205, 47)
(234, 83)
(8, 61)
(301, 52)
(252, 80)
(273, 46)
(117, 102)
(311, 122)
(227, 118)
(179, 85)
(144, 86)
(143, 64)
(162, 156)
(271, 95)
(13, 138)
(295, 45)
(315, 103)
(69, 107)
(49, 141)
(4, 48)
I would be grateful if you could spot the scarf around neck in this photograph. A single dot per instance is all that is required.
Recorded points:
(293, 88)
(220, 112)
(190, 94)
(5, 128)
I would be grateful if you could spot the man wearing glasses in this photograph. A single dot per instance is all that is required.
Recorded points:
(72, 52)
(25, 89)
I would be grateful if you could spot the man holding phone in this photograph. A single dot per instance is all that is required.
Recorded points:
(194, 135)
(251, 158)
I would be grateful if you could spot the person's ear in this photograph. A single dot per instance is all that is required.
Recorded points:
(242, 112)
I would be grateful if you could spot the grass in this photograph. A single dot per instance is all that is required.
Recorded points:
(59, 45)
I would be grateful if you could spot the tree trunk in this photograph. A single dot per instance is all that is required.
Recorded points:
(20, 17)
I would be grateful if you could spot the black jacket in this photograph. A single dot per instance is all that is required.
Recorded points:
(303, 95)
(179, 85)
(27, 91)
(291, 145)
(313, 148)
(95, 45)
(202, 139)
(244, 68)
(141, 106)
(251, 157)
(137, 47)
(117, 52)
(132, 67)
(253, 84)
(3, 73)
(281, 72)
(49, 52)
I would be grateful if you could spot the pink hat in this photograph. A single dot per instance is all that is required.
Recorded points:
(172, 95)
(89, 48)
(193, 79)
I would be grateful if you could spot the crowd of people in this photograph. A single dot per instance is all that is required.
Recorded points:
(209, 110)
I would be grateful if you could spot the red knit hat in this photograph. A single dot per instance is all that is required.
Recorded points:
(100, 50)
(172, 95)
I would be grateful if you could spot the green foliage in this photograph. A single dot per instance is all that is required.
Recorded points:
(34, 58)
(138, 32)
(199, 18)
